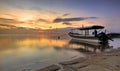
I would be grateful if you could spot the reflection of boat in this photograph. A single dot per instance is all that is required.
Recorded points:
(84, 47)
(74, 41)
(86, 34)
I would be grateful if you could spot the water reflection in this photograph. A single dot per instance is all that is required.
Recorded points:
(31, 52)
(84, 47)
(115, 43)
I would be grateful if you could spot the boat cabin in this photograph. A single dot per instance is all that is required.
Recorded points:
(87, 31)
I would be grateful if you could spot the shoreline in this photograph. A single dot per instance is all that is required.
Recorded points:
(105, 61)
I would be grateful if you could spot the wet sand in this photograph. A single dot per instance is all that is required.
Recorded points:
(105, 61)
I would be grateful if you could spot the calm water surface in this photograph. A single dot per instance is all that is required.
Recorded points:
(28, 52)
(21, 52)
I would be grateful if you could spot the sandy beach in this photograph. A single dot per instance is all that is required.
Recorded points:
(105, 61)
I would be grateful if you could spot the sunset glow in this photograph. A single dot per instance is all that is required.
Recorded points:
(61, 14)
(57, 35)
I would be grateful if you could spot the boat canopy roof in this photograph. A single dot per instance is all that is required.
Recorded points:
(91, 27)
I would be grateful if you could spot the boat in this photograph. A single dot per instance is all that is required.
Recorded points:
(89, 35)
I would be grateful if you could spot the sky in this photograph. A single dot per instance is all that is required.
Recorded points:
(51, 14)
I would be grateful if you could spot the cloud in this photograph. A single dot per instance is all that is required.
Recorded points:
(57, 20)
(43, 20)
(6, 20)
(67, 23)
(66, 14)
(6, 25)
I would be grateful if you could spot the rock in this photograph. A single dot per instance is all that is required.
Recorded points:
(75, 61)
(67, 69)
(99, 62)
(93, 68)
(50, 68)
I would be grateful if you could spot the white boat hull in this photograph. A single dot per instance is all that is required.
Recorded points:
(88, 41)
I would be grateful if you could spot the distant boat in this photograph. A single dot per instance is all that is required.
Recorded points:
(87, 35)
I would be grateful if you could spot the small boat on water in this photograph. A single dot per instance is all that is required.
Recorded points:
(89, 35)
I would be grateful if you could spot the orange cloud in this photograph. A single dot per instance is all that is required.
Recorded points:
(6, 20)
(7, 26)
